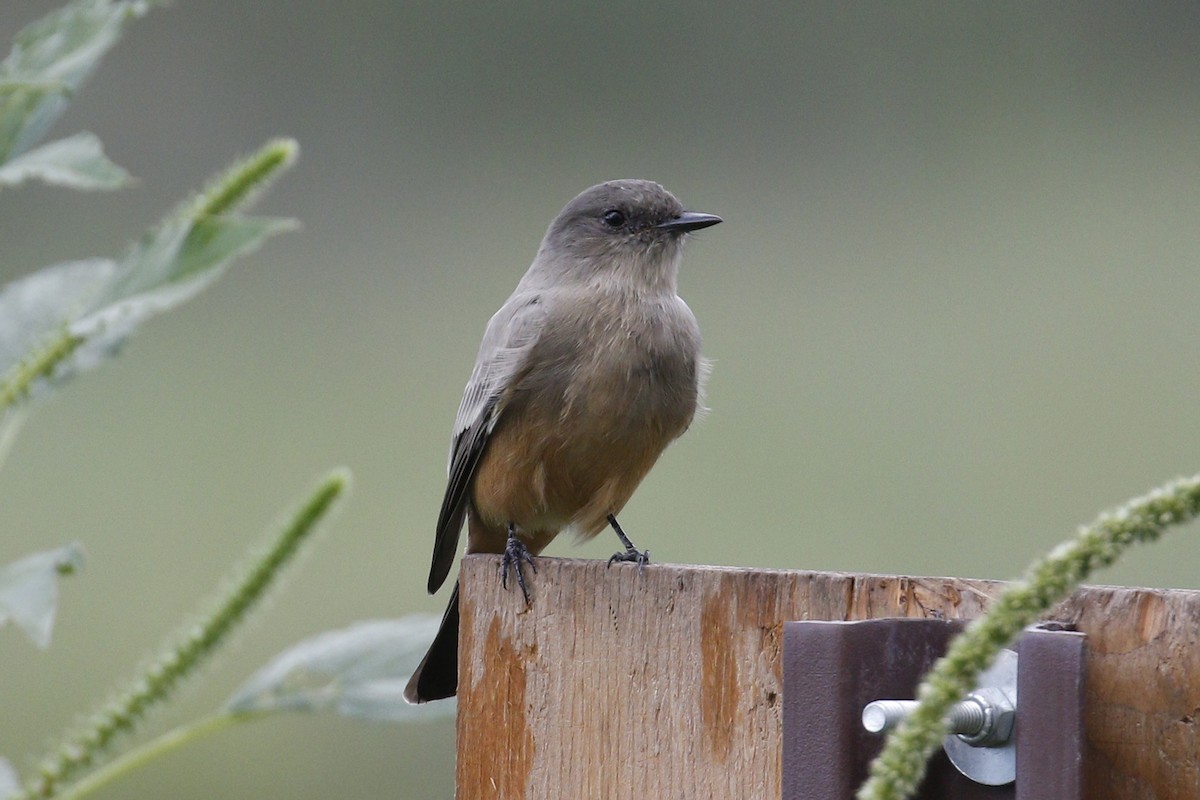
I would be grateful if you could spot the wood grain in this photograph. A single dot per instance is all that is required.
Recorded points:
(666, 684)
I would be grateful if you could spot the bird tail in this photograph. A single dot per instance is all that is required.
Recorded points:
(436, 676)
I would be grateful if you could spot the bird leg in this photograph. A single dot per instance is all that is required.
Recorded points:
(515, 553)
(639, 557)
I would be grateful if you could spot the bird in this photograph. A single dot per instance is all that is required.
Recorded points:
(583, 377)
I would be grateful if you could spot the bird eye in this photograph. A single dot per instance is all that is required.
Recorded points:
(614, 218)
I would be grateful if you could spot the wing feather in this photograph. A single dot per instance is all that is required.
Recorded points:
(506, 343)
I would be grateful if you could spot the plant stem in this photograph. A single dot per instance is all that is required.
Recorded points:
(145, 753)
(19, 380)
(899, 768)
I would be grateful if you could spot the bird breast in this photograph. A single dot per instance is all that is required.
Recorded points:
(591, 413)
(631, 370)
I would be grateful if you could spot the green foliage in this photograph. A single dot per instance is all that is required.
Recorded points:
(10, 784)
(359, 672)
(77, 162)
(29, 590)
(71, 317)
(188, 650)
(50, 60)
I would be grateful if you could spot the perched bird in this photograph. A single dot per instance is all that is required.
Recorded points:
(584, 376)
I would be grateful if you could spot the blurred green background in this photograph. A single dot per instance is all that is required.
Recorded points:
(953, 309)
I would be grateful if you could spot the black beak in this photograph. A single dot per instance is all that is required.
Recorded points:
(689, 221)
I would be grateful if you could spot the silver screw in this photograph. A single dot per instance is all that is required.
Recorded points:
(982, 719)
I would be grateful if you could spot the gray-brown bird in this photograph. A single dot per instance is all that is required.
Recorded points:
(584, 376)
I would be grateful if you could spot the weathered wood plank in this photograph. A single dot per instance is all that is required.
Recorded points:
(666, 684)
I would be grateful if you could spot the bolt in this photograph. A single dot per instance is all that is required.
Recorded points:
(985, 718)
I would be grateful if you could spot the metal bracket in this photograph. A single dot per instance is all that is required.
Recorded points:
(835, 673)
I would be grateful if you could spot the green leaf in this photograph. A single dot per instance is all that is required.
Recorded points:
(359, 671)
(29, 590)
(10, 784)
(77, 162)
(167, 269)
(50, 60)
(34, 308)
(71, 317)
(172, 257)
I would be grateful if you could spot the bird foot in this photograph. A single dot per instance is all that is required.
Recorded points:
(632, 556)
(516, 553)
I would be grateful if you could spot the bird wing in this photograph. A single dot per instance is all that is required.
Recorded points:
(509, 336)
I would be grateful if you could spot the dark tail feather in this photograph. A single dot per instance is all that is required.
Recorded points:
(437, 675)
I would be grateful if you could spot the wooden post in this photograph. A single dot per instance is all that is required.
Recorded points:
(666, 684)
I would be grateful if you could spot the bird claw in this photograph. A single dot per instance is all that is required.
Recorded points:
(515, 553)
(632, 555)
